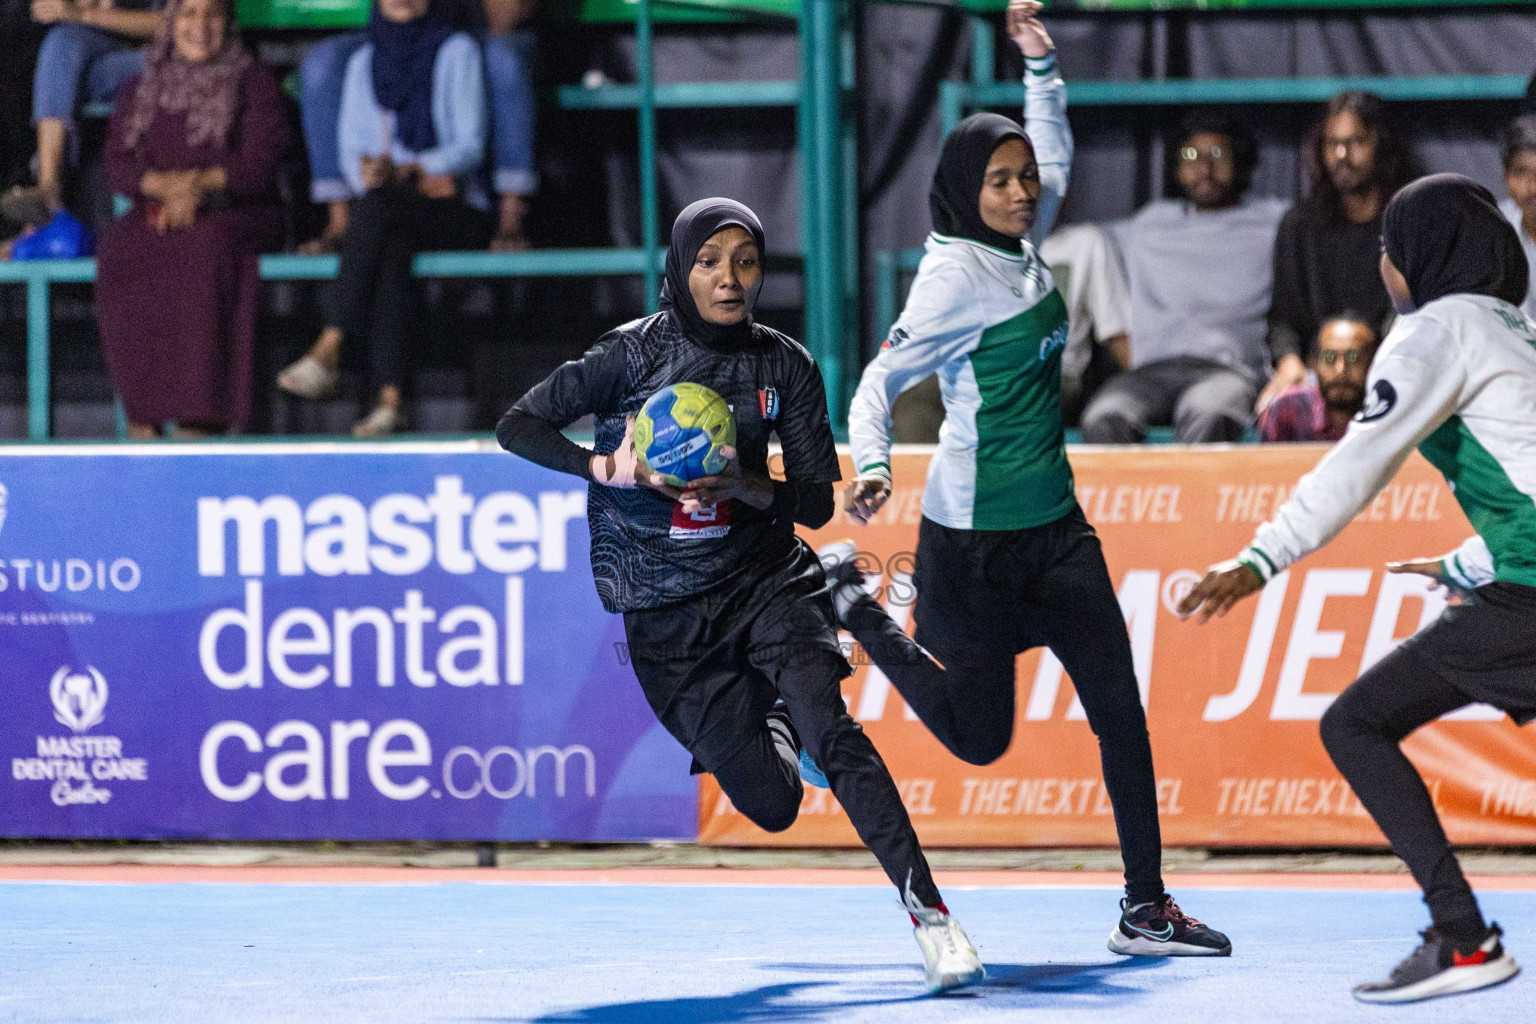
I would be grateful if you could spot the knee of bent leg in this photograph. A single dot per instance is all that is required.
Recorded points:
(1341, 723)
(985, 748)
(776, 813)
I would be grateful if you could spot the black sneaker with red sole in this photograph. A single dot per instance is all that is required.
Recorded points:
(1436, 968)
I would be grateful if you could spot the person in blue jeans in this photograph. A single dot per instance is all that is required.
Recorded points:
(91, 49)
(508, 54)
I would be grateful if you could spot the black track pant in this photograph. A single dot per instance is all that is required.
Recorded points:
(984, 596)
(712, 666)
(373, 297)
(1483, 649)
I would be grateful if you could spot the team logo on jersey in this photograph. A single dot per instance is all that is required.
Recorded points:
(1380, 401)
(768, 403)
(895, 339)
(1056, 341)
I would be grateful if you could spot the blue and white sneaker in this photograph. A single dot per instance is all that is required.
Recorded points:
(787, 739)
(811, 773)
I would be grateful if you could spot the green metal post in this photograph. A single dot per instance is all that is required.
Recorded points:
(810, 200)
(823, 26)
(983, 50)
(645, 66)
(38, 419)
(849, 322)
(885, 292)
(952, 101)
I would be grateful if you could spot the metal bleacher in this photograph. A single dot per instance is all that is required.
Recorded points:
(830, 259)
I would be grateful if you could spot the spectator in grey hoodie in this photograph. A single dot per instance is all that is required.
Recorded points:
(1200, 271)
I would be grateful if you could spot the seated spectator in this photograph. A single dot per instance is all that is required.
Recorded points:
(1320, 409)
(508, 52)
(1328, 250)
(1199, 269)
(195, 143)
(1520, 181)
(92, 48)
(1089, 276)
(412, 145)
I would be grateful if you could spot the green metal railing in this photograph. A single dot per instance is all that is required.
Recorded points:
(826, 144)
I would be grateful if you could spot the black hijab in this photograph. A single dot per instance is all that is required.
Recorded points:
(954, 200)
(697, 224)
(1444, 233)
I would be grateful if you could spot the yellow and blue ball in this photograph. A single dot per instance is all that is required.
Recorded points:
(680, 431)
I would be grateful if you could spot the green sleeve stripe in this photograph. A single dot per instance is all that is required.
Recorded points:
(1456, 570)
(1255, 566)
(872, 467)
(1041, 65)
(1268, 562)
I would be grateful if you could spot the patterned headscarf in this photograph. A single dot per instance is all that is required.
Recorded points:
(208, 91)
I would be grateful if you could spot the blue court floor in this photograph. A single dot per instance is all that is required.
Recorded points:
(687, 954)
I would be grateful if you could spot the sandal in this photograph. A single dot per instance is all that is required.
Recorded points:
(308, 378)
(383, 421)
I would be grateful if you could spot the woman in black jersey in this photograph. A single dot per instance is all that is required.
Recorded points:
(730, 623)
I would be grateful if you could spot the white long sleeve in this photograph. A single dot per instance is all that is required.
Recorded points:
(1471, 565)
(1045, 122)
(940, 322)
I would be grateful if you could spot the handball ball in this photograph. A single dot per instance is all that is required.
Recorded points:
(680, 431)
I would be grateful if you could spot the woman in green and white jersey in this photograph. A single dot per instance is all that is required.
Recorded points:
(1006, 560)
(1456, 379)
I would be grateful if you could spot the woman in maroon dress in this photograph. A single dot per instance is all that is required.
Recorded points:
(194, 143)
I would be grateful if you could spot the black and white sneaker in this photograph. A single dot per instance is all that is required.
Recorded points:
(1437, 969)
(786, 739)
(1160, 928)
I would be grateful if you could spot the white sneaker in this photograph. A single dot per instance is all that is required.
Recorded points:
(307, 377)
(383, 421)
(949, 959)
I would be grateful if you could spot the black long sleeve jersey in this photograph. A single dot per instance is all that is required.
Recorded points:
(646, 551)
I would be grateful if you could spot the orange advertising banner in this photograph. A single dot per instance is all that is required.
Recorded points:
(1233, 706)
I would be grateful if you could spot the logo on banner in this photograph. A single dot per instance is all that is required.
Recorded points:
(79, 699)
(76, 765)
(2, 506)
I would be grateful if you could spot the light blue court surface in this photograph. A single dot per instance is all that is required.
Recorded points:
(589, 954)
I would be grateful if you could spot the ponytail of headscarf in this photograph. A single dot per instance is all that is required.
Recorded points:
(1444, 233)
(404, 66)
(209, 91)
(954, 201)
(697, 224)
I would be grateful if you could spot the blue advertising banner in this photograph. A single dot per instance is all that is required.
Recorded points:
(334, 641)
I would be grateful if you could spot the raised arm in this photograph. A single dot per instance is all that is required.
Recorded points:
(1045, 111)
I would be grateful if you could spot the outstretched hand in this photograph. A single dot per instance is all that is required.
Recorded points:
(1025, 29)
(1434, 568)
(1223, 586)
